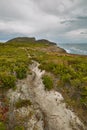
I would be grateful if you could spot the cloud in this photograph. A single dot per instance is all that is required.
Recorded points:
(83, 33)
(51, 19)
(82, 17)
(68, 21)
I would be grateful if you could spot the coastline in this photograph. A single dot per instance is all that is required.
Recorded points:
(75, 49)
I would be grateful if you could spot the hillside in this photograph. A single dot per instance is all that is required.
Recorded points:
(41, 86)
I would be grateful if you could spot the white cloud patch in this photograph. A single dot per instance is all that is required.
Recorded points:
(55, 20)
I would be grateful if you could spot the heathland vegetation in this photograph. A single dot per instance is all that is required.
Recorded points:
(64, 72)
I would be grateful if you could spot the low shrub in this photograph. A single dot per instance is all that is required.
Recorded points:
(22, 103)
(7, 80)
(2, 126)
(48, 82)
(21, 72)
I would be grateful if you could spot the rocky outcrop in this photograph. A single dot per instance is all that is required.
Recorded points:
(45, 42)
(47, 110)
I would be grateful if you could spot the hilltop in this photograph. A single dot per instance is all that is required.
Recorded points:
(41, 86)
(22, 39)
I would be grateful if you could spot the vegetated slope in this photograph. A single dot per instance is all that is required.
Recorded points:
(64, 73)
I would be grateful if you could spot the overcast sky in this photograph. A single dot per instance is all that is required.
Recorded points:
(55, 20)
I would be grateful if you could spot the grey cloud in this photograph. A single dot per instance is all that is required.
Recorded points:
(67, 21)
(42, 18)
(54, 7)
(83, 33)
(82, 17)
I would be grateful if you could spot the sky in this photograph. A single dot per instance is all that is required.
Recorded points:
(61, 21)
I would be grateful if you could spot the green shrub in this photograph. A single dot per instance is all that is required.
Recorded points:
(76, 82)
(7, 80)
(2, 126)
(21, 72)
(66, 78)
(83, 102)
(48, 82)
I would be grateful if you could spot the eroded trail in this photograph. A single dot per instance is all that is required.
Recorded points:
(57, 116)
(48, 107)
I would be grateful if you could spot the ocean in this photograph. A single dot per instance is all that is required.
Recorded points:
(75, 48)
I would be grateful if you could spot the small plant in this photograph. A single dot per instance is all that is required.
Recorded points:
(48, 82)
(19, 128)
(22, 103)
(21, 72)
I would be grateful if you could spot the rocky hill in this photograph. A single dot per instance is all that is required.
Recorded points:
(32, 40)
(41, 87)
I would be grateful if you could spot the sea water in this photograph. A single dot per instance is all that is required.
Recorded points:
(75, 48)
